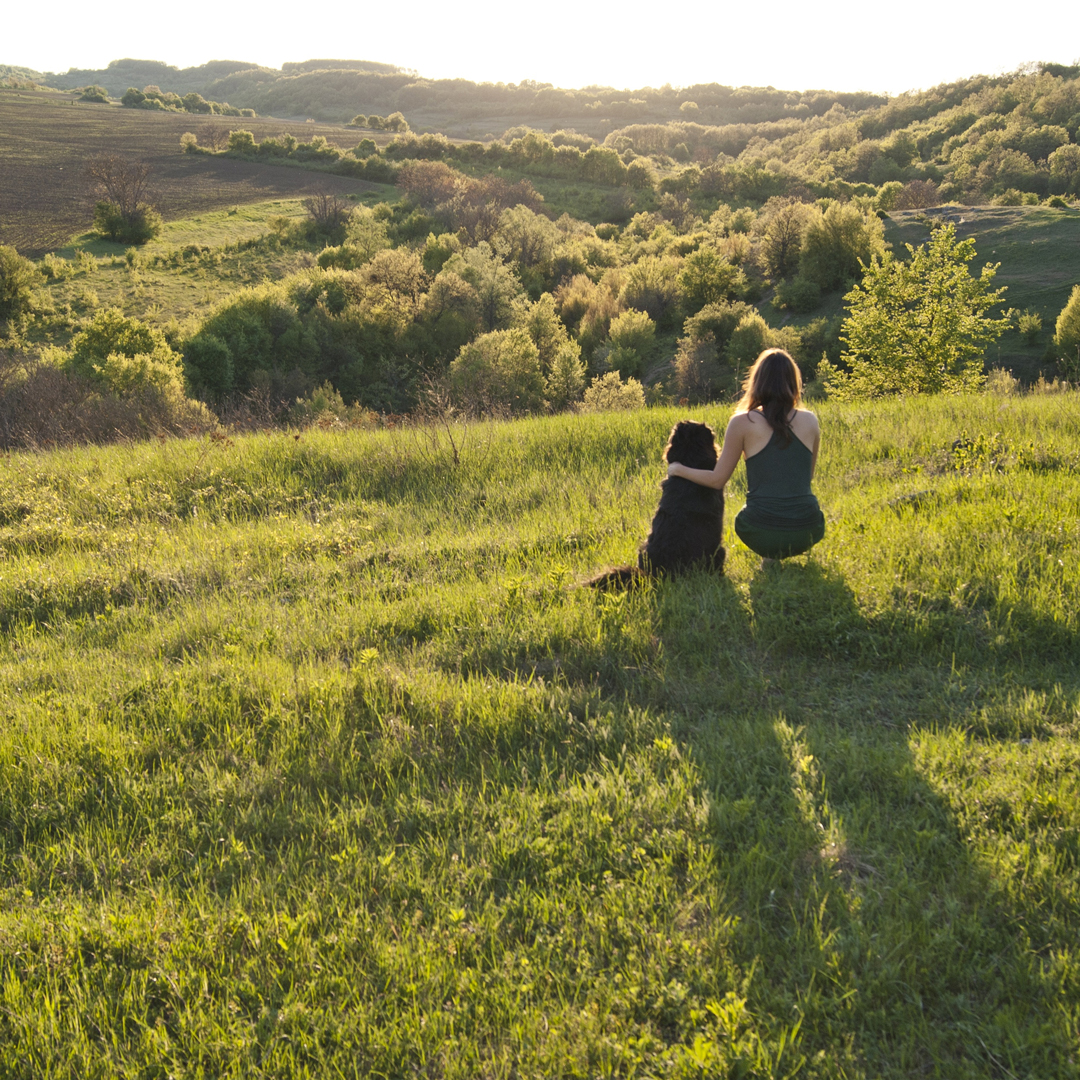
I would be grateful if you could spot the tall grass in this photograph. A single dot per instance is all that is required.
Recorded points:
(314, 762)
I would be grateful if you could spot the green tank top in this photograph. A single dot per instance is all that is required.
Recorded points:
(778, 494)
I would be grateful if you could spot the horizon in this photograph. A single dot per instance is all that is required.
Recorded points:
(574, 47)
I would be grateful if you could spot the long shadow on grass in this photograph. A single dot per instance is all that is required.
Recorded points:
(860, 902)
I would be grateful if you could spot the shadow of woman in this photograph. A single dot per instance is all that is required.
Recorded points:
(864, 907)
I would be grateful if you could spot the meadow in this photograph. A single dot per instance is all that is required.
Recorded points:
(315, 762)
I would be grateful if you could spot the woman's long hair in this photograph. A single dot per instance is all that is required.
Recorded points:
(773, 385)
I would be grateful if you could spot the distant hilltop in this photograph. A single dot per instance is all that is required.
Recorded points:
(337, 90)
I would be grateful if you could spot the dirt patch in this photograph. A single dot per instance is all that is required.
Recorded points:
(45, 139)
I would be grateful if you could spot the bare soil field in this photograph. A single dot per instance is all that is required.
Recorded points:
(45, 138)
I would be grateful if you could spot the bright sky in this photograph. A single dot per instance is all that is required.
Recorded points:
(792, 46)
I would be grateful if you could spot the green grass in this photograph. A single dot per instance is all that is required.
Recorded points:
(1039, 254)
(313, 764)
(189, 267)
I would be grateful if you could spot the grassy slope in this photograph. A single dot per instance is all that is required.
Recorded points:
(1039, 252)
(312, 765)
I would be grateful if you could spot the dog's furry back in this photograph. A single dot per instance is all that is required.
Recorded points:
(688, 525)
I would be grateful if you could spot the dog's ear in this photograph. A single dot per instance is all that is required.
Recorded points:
(678, 443)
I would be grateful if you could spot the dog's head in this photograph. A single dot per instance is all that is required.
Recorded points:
(691, 444)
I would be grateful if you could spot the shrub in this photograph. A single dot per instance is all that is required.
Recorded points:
(699, 375)
(18, 279)
(608, 393)
(137, 227)
(1030, 326)
(241, 142)
(110, 333)
(1067, 336)
(499, 371)
(209, 364)
(42, 404)
(800, 295)
(837, 242)
(652, 285)
(565, 380)
(747, 340)
(632, 335)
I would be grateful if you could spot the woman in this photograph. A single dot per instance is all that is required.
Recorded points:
(780, 443)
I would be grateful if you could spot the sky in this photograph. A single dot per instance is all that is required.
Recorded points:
(791, 46)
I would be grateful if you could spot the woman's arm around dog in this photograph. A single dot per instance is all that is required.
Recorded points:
(730, 452)
(745, 437)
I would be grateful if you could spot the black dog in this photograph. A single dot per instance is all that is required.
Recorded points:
(688, 525)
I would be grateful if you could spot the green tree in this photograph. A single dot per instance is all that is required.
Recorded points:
(18, 279)
(707, 277)
(919, 325)
(242, 142)
(836, 243)
(1067, 335)
(652, 285)
(632, 336)
(495, 285)
(499, 370)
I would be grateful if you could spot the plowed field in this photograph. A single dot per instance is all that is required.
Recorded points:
(45, 138)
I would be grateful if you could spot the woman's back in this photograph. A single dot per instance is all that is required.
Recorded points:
(778, 491)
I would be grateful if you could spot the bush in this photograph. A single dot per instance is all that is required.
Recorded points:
(837, 242)
(241, 142)
(652, 285)
(1067, 336)
(18, 279)
(699, 375)
(632, 336)
(1030, 326)
(707, 277)
(608, 393)
(43, 405)
(112, 333)
(499, 371)
(800, 295)
(748, 339)
(209, 365)
(141, 225)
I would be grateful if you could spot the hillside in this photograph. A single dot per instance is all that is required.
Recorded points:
(44, 199)
(312, 763)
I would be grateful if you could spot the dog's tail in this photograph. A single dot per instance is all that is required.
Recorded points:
(618, 577)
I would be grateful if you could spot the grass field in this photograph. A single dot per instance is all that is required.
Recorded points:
(47, 139)
(313, 764)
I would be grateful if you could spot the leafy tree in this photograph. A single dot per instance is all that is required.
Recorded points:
(781, 242)
(242, 142)
(707, 277)
(607, 393)
(632, 335)
(499, 370)
(495, 285)
(1067, 335)
(18, 279)
(565, 381)
(652, 285)
(838, 242)
(918, 326)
